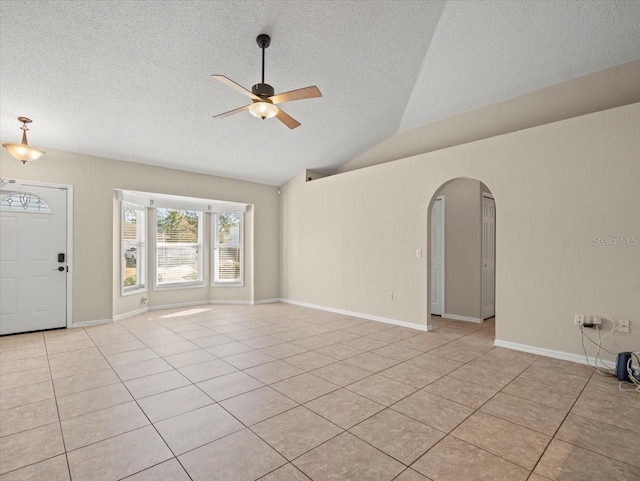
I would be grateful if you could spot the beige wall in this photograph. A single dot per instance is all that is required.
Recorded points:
(348, 239)
(609, 88)
(463, 247)
(96, 277)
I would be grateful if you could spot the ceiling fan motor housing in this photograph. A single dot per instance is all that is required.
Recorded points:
(263, 90)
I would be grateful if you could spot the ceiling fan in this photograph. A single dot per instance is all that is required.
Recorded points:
(262, 94)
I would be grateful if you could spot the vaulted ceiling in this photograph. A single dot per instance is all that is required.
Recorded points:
(131, 80)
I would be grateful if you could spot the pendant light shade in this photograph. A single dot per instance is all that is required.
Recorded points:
(24, 152)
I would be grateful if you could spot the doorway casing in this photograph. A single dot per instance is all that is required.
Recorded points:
(439, 240)
(488, 256)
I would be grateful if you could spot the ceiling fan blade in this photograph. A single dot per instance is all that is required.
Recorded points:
(231, 112)
(233, 85)
(300, 94)
(287, 120)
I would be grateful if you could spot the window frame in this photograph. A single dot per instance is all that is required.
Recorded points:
(214, 250)
(141, 273)
(200, 282)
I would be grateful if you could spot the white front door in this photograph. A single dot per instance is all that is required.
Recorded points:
(437, 257)
(488, 257)
(33, 258)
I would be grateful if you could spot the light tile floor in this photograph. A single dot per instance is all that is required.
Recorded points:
(280, 392)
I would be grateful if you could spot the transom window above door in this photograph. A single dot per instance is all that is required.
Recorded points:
(24, 202)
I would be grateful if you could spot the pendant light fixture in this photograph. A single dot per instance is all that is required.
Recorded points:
(24, 152)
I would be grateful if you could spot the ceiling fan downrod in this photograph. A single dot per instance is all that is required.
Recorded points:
(263, 41)
(263, 90)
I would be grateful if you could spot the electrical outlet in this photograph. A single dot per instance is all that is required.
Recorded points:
(623, 326)
(390, 296)
(589, 319)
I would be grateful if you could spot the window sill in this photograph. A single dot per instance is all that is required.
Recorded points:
(130, 292)
(169, 287)
(227, 284)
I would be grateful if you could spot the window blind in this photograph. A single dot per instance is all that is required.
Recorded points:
(228, 242)
(178, 247)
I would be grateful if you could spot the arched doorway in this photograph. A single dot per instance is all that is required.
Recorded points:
(461, 260)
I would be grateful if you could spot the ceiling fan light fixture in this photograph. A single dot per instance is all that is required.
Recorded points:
(263, 109)
(24, 152)
(263, 97)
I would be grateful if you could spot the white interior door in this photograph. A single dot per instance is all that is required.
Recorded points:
(488, 257)
(33, 278)
(437, 257)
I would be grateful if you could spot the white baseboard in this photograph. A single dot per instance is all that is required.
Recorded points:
(240, 302)
(130, 313)
(455, 317)
(541, 351)
(181, 304)
(97, 322)
(142, 310)
(359, 314)
(243, 302)
(125, 315)
(266, 301)
(269, 301)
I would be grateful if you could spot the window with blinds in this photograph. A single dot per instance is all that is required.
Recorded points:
(178, 247)
(228, 265)
(134, 247)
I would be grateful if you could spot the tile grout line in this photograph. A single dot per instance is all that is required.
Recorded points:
(222, 437)
(243, 424)
(270, 417)
(360, 422)
(562, 423)
(49, 424)
(150, 423)
(421, 389)
(197, 387)
(477, 410)
(64, 446)
(348, 430)
(345, 387)
(551, 437)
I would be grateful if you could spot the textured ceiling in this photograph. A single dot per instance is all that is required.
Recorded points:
(484, 52)
(131, 80)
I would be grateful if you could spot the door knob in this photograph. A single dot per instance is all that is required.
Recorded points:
(61, 269)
